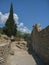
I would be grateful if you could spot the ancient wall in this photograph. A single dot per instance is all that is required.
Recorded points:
(40, 42)
(4, 51)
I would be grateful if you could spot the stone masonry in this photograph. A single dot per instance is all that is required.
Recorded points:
(40, 42)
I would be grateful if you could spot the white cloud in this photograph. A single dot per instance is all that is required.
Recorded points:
(16, 18)
(4, 17)
(21, 27)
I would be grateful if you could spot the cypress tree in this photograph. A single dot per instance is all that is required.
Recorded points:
(10, 27)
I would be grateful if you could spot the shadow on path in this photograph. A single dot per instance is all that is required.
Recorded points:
(34, 55)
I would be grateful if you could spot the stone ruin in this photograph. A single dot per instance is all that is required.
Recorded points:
(40, 42)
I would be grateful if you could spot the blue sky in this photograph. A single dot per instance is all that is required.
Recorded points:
(28, 11)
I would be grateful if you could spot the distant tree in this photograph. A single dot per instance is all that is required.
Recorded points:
(1, 31)
(19, 34)
(10, 27)
(26, 36)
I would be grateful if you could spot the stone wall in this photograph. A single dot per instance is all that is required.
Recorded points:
(4, 51)
(40, 42)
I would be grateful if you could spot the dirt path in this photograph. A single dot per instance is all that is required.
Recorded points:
(20, 57)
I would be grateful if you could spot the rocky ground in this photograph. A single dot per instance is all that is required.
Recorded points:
(19, 54)
(20, 57)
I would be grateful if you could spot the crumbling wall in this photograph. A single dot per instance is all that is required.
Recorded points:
(40, 42)
(4, 51)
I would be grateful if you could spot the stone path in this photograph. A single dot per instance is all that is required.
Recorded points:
(20, 57)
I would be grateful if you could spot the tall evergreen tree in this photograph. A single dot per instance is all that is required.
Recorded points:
(10, 27)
